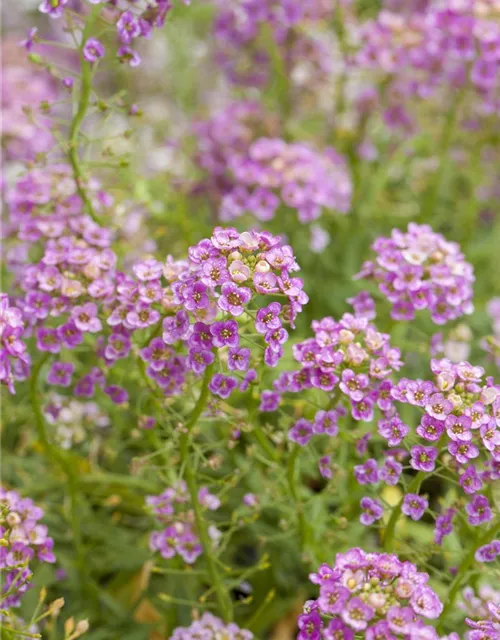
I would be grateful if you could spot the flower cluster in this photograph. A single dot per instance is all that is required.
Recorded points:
(24, 92)
(210, 627)
(447, 47)
(212, 301)
(461, 409)
(371, 593)
(239, 29)
(352, 362)
(421, 270)
(23, 540)
(461, 413)
(71, 420)
(179, 536)
(274, 173)
(14, 358)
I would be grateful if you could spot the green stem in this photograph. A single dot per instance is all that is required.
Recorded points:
(222, 596)
(79, 116)
(413, 487)
(291, 477)
(56, 456)
(463, 569)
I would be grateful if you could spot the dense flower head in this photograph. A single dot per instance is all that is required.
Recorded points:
(24, 540)
(179, 536)
(459, 428)
(276, 173)
(211, 302)
(352, 362)
(443, 48)
(24, 87)
(238, 30)
(461, 410)
(14, 359)
(209, 627)
(419, 270)
(369, 593)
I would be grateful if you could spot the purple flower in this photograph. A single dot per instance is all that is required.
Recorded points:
(128, 27)
(267, 319)
(438, 407)
(423, 458)
(357, 614)
(233, 299)
(141, 317)
(85, 318)
(238, 358)
(400, 619)
(372, 511)
(175, 327)
(93, 50)
(276, 338)
(117, 394)
(470, 481)
(430, 429)
(458, 428)
(301, 432)
(60, 374)
(363, 410)
(225, 334)
(201, 336)
(30, 39)
(222, 386)
(426, 603)
(393, 430)
(196, 297)
(414, 506)
(367, 473)
(129, 55)
(199, 359)
(324, 466)
(488, 552)
(269, 401)
(85, 387)
(479, 510)
(326, 422)
(354, 385)
(333, 598)
(391, 471)
(463, 451)
(53, 8)
(48, 340)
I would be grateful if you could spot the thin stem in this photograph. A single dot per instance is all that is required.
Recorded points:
(463, 569)
(291, 477)
(56, 456)
(79, 116)
(413, 487)
(222, 596)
